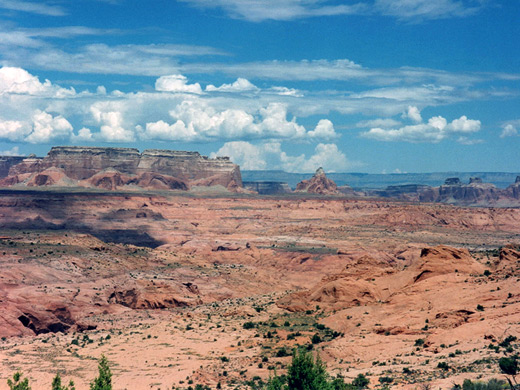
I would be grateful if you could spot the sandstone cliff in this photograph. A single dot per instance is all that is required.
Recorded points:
(113, 168)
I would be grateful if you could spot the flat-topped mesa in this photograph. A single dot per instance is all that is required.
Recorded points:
(452, 181)
(82, 163)
(191, 166)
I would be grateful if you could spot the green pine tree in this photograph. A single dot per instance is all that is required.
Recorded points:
(17, 383)
(104, 379)
(306, 373)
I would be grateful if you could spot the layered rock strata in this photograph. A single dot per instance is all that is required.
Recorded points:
(112, 168)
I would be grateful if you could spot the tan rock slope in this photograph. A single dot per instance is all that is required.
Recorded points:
(163, 285)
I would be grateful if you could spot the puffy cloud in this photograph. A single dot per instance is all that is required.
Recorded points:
(510, 129)
(436, 130)
(324, 130)
(163, 131)
(248, 156)
(271, 156)
(240, 85)
(176, 83)
(464, 125)
(84, 135)
(284, 91)
(47, 128)
(18, 81)
(413, 113)
(14, 130)
(14, 151)
(111, 122)
(197, 120)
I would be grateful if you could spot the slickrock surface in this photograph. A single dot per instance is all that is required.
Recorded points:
(163, 285)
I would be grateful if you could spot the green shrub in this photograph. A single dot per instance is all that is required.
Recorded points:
(56, 384)
(492, 384)
(360, 382)
(17, 383)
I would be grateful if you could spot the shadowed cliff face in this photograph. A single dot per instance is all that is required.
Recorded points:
(112, 168)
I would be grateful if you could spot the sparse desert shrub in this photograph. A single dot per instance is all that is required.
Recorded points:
(360, 382)
(492, 384)
(385, 379)
(56, 384)
(282, 352)
(248, 325)
(419, 343)
(316, 339)
(17, 383)
(443, 365)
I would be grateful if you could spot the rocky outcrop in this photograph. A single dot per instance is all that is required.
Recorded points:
(6, 162)
(369, 280)
(112, 168)
(318, 184)
(145, 295)
(267, 187)
(513, 190)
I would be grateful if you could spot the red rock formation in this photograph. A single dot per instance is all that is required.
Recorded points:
(318, 184)
(370, 280)
(112, 168)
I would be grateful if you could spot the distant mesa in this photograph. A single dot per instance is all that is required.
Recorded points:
(120, 168)
(318, 184)
(452, 181)
(268, 187)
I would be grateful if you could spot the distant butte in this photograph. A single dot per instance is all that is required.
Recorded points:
(318, 184)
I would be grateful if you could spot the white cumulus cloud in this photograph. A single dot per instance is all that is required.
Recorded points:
(271, 156)
(197, 120)
(413, 113)
(15, 80)
(324, 130)
(47, 128)
(14, 130)
(436, 130)
(176, 83)
(510, 129)
(240, 85)
(111, 124)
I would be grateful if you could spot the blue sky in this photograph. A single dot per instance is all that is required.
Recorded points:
(353, 86)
